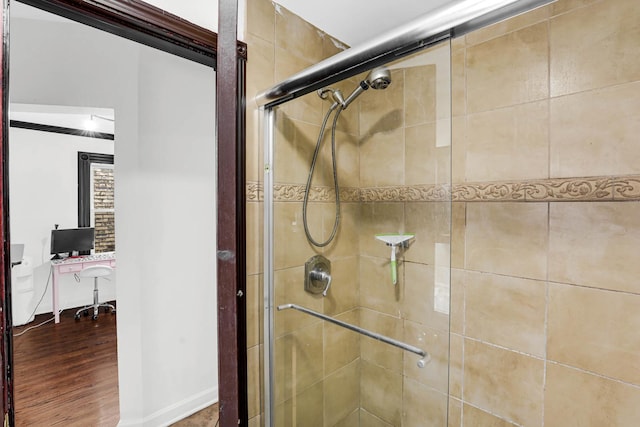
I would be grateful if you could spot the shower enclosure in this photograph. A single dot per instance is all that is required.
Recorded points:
(349, 346)
(357, 197)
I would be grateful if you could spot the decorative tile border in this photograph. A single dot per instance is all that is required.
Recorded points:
(254, 191)
(415, 193)
(487, 192)
(582, 189)
(588, 189)
(626, 188)
(295, 193)
(572, 189)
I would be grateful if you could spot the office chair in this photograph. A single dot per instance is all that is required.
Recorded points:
(95, 271)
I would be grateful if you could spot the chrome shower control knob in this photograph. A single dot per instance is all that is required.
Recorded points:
(317, 275)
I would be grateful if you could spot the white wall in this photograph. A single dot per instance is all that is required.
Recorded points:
(201, 12)
(175, 193)
(165, 203)
(43, 179)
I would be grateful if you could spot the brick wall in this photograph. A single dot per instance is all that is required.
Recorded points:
(103, 185)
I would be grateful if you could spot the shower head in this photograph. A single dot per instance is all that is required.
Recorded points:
(378, 78)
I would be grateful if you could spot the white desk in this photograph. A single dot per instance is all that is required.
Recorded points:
(75, 265)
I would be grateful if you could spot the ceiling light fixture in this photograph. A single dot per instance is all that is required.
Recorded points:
(91, 124)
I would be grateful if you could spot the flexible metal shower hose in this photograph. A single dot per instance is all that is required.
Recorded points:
(305, 202)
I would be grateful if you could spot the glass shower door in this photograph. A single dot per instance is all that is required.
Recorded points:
(358, 318)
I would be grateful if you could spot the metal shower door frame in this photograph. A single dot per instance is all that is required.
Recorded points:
(269, 115)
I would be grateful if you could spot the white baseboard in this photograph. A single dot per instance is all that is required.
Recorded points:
(176, 412)
(130, 423)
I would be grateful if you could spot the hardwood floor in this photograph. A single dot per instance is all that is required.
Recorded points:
(67, 374)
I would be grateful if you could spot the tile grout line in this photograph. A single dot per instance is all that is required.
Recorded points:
(500, 417)
(501, 347)
(548, 96)
(464, 340)
(464, 298)
(577, 285)
(595, 374)
(546, 317)
(552, 282)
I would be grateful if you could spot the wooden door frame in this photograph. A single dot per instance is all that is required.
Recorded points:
(231, 212)
(149, 25)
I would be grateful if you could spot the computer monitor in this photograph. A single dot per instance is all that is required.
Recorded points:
(71, 240)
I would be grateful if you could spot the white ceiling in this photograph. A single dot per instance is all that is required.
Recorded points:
(94, 119)
(101, 119)
(355, 21)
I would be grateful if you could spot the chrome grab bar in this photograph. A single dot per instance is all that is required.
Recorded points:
(357, 329)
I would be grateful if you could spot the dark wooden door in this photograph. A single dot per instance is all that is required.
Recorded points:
(146, 24)
(5, 261)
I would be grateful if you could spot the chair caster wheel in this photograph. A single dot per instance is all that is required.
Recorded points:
(77, 316)
(94, 317)
(85, 313)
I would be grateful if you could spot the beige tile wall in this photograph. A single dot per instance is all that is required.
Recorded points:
(400, 138)
(260, 74)
(331, 376)
(317, 364)
(545, 296)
